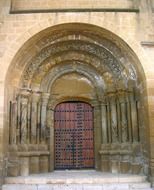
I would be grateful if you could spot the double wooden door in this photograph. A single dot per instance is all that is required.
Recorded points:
(74, 136)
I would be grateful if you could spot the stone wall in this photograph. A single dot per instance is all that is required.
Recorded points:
(26, 5)
(134, 28)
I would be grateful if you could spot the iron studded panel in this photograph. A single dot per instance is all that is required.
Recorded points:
(74, 142)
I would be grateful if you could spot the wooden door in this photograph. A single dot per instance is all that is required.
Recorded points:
(74, 136)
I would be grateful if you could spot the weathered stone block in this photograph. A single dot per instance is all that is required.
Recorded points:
(115, 166)
(105, 165)
(44, 164)
(124, 167)
(34, 164)
(136, 168)
(24, 166)
(13, 166)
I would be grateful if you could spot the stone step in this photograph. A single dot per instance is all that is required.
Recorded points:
(120, 186)
(64, 177)
(77, 180)
(145, 185)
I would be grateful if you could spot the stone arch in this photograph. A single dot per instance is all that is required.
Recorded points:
(108, 58)
(110, 37)
(61, 70)
(122, 65)
(78, 57)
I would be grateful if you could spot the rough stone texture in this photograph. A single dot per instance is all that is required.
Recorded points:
(132, 28)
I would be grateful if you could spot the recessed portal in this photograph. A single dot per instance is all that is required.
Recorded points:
(74, 136)
(76, 62)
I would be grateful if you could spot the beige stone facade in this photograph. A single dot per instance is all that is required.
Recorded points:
(92, 51)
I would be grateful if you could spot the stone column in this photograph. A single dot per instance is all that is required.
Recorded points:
(44, 102)
(125, 131)
(29, 122)
(129, 118)
(134, 120)
(114, 128)
(108, 119)
(97, 133)
(104, 122)
(51, 141)
(114, 152)
(124, 127)
(18, 119)
(118, 117)
(13, 122)
(39, 123)
(23, 116)
(24, 161)
(34, 115)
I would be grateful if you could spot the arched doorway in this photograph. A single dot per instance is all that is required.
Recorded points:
(74, 136)
(76, 62)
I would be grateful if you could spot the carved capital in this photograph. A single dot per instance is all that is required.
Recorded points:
(25, 92)
(45, 98)
(35, 96)
(95, 103)
(122, 94)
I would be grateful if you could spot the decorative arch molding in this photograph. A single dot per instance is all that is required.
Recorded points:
(76, 67)
(108, 58)
(68, 57)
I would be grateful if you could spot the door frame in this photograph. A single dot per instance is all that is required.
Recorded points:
(92, 135)
(95, 104)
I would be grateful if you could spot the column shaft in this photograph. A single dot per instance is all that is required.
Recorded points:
(45, 97)
(134, 118)
(18, 119)
(129, 119)
(97, 133)
(39, 123)
(34, 115)
(118, 119)
(109, 122)
(104, 123)
(29, 123)
(113, 119)
(13, 122)
(124, 127)
(23, 130)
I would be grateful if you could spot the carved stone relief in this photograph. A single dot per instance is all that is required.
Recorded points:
(108, 59)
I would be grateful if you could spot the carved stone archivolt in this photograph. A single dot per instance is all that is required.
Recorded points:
(111, 83)
(103, 54)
